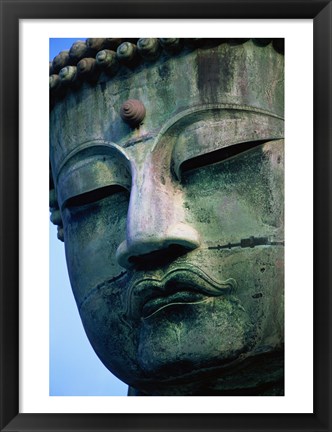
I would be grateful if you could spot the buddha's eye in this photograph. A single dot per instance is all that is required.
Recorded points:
(216, 156)
(94, 196)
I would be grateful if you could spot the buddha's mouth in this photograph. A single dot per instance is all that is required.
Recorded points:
(187, 284)
(157, 304)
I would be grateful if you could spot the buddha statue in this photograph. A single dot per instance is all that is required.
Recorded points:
(167, 184)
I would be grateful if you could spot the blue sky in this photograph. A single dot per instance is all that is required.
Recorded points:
(75, 369)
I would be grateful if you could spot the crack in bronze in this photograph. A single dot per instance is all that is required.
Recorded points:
(99, 287)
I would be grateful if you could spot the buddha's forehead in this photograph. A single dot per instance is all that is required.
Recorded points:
(224, 77)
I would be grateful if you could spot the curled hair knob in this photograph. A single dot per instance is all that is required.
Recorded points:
(68, 74)
(60, 61)
(149, 48)
(96, 44)
(127, 53)
(54, 82)
(78, 51)
(106, 59)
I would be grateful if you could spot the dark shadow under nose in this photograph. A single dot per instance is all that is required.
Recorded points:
(158, 258)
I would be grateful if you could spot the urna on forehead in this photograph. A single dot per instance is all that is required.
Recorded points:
(121, 84)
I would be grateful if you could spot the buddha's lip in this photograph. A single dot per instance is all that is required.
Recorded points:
(185, 297)
(186, 283)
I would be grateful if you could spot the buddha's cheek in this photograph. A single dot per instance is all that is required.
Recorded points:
(92, 236)
(113, 338)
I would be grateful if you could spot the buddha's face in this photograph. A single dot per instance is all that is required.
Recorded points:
(174, 242)
(166, 276)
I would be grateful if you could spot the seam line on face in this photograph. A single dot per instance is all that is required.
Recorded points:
(250, 242)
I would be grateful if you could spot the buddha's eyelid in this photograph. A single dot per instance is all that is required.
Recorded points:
(83, 180)
(92, 196)
(217, 155)
(225, 129)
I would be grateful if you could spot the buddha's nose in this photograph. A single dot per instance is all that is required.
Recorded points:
(156, 231)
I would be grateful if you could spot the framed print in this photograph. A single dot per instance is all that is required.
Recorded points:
(141, 154)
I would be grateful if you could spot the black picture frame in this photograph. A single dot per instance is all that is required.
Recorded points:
(11, 12)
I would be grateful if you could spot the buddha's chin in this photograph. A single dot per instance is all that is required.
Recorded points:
(186, 340)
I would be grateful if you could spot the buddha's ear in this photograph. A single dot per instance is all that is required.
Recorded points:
(56, 218)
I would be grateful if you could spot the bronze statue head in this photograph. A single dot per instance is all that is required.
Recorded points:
(167, 187)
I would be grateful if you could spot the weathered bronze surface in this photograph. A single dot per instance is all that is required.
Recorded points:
(173, 226)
